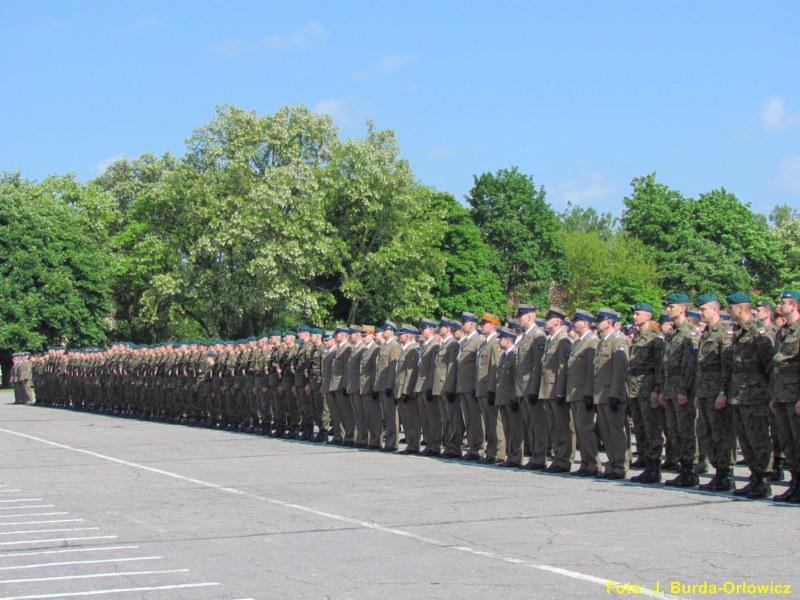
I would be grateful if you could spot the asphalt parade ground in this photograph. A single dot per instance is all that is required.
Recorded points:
(107, 507)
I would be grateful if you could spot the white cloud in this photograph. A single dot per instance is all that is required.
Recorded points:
(101, 165)
(312, 35)
(584, 190)
(789, 174)
(337, 109)
(775, 117)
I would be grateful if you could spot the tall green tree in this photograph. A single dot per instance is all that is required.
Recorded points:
(580, 219)
(386, 231)
(786, 233)
(55, 280)
(470, 279)
(516, 220)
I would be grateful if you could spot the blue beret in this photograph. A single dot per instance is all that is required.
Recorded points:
(406, 328)
(505, 332)
(583, 315)
(677, 298)
(794, 294)
(428, 324)
(693, 314)
(524, 309)
(468, 316)
(390, 325)
(607, 313)
(739, 298)
(644, 306)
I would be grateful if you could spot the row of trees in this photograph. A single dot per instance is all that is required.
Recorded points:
(270, 220)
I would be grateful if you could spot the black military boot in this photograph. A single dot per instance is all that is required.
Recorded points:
(712, 484)
(761, 487)
(777, 470)
(792, 490)
(651, 474)
(746, 489)
(686, 477)
(724, 481)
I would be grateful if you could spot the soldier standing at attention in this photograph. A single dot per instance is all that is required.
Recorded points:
(505, 399)
(353, 376)
(745, 379)
(429, 410)
(404, 382)
(444, 387)
(342, 431)
(465, 386)
(326, 383)
(369, 401)
(714, 417)
(385, 368)
(553, 392)
(765, 311)
(785, 403)
(485, 389)
(644, 383)
(679, 366)
(528, 373)
(580, 392)
(610, 395)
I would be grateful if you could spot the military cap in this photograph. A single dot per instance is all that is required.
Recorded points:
(406, 328)
(540, 322)
(367, 329)
(568, 324)
(583, 315)
(445, 322)
(677, 298)
(554, 313)
(766, 304)
(644, 307)
(354, 329)
(490, 318)
(607, 313)
(327, 335)
(505, 332)
(390, 325)
(692, 314)
(468, 316)
(739, 298)
(705, 299)
(664, 318)
(427, 324)
(524, 309)
(379, 330)
(794, 294)
(516, 325)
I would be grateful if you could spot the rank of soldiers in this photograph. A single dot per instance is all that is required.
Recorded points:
(689, 387)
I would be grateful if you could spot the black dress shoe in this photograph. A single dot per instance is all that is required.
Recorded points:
(556, 469)
(508, 465)
(471, 456)
(579, 473)
(429, 452)
(534, 467)
(615, 476)
(451, 455)
(408, 452)
(486, 460)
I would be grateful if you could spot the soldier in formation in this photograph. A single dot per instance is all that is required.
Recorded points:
(696, 385)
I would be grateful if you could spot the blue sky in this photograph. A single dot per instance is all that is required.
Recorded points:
(584, 96)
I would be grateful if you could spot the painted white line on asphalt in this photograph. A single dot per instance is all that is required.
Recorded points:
(70, 550)
(41, 522)
(79, 562)
(32, 506)
(643, 591)
(62, 530)
(158, 588)
(21, 500)
(93, 576)
(44, 514)
(67, 539)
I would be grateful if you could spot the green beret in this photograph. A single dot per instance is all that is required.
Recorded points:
(766, 304)
(794, 294)
(316, 331)
(644, 306)
(705, 299)
(303, 328)
(739, 298)
(289, 332)
(677, 298)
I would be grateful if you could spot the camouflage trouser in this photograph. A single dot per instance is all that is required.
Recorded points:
(653, 422)
(752, 429)
(715, 433)
(296, 406)
(680, 421)
(306, 409)
(643, 443)
(787, 423)
(278, 406)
